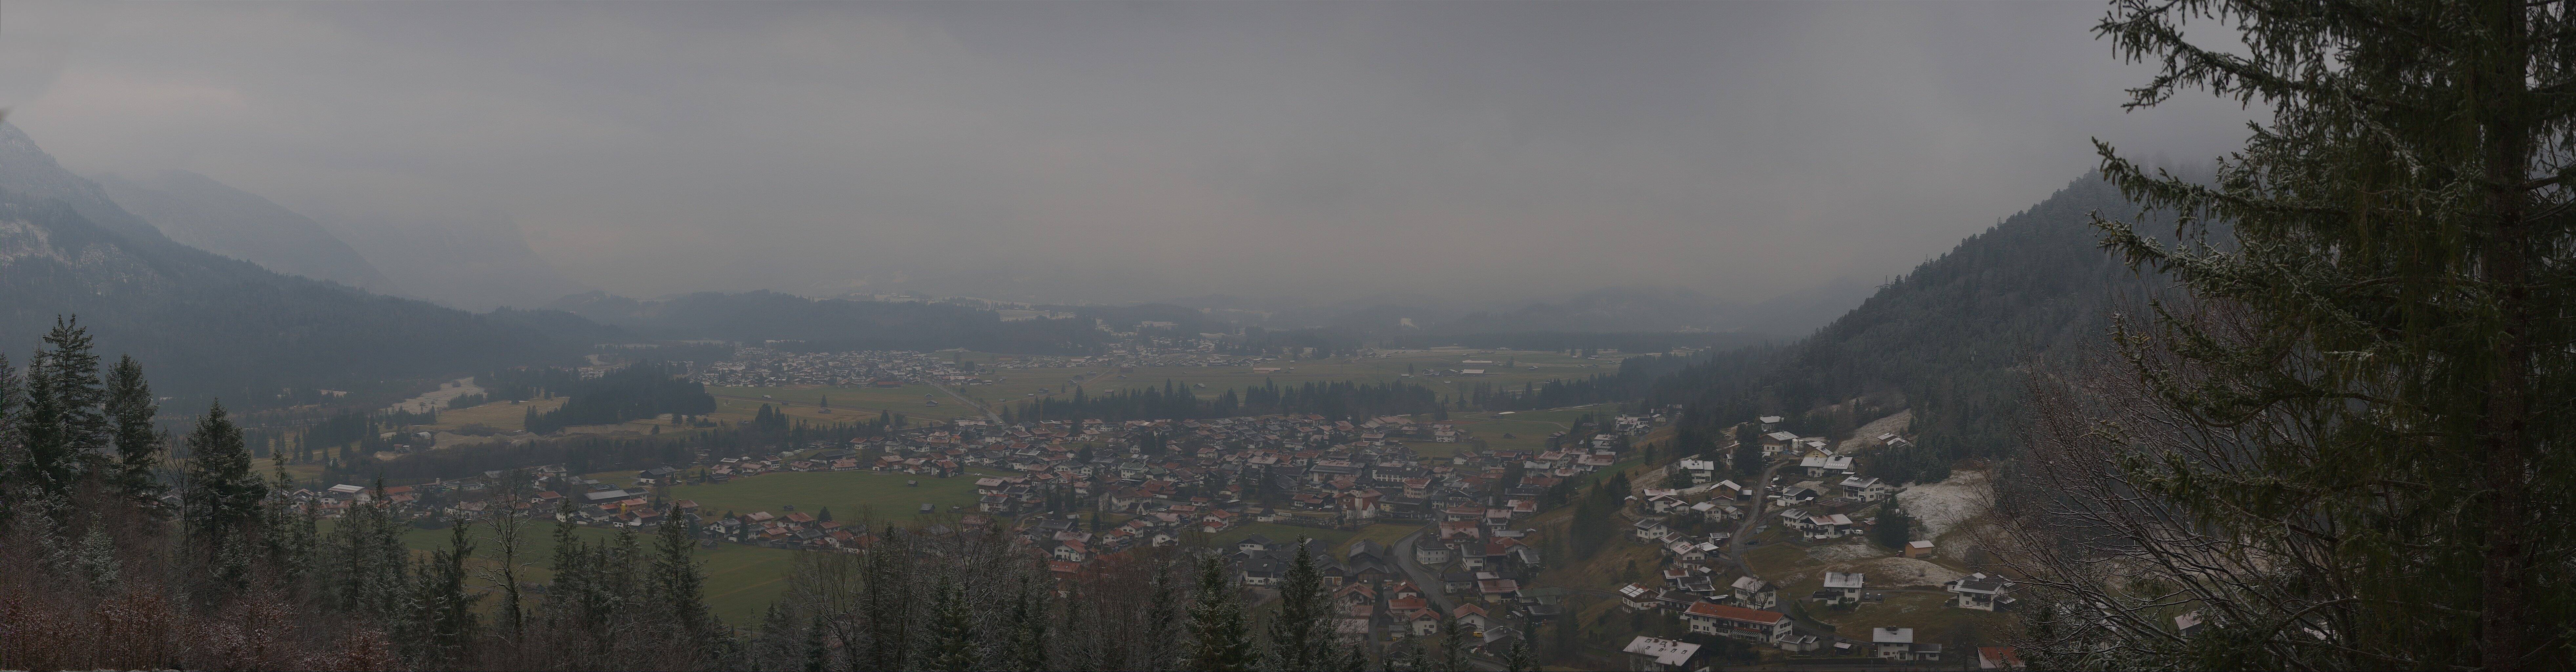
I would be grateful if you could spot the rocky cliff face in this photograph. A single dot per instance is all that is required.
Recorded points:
(34, 175)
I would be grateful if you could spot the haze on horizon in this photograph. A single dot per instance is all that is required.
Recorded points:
(1121, 151)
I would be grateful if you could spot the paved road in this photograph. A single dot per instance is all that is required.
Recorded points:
(1421, 576)
(1431, 587)
(970, 403)
(1761, 501)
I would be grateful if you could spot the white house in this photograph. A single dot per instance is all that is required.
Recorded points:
(1755, 593)
(1867, 488)
(1701, 471)
(1898, 644)
(1845, 586)
(1981, 592)
(1650, 530)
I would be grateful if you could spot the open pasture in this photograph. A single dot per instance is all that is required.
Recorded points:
(741, 580)
(846, 493)
(1506, 368)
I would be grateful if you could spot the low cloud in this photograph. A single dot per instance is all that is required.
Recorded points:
(1130, 151)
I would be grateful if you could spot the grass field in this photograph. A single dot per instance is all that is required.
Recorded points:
(1924, 611)
(1014, 385)
(501, 415)
(1283, 534)
(741, 580)
(847, 493)
(1384, 534)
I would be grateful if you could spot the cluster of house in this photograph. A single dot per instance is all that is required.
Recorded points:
(1818, 504)
(1209, 476)
(1371, 594)
(1219, 473)
(1656, 654)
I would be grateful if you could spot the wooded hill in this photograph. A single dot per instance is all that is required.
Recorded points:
(1949, 339)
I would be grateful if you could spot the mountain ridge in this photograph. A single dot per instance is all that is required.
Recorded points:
(200, 212)
(205, 326)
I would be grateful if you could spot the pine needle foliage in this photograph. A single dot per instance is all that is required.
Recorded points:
(2345, 448)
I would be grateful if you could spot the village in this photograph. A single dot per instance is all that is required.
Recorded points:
(1081, 492)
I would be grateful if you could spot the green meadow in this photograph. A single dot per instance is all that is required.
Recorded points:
(847, 493)
(741, 580)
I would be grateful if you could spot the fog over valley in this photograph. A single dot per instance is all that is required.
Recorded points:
(1305, 154)
(1255, 335)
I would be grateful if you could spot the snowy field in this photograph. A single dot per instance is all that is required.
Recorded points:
(1942, 506)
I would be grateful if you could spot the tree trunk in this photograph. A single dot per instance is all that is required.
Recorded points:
(2507, 267)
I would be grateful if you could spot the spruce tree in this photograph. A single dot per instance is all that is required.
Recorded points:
(1748, 453)
(63, 426)
(1353, 657)
(1028, 650)
(1299, 632)
(1893, 530)
(818, 652)
(949, 644)
(446, 622)
(366, 560)
(224, 499)
(2347, 441)
(678, 587)
(13, 405)
(130, 407)
(1220, 636)
(96, 561)
(289, 529)
(887, 595)
(1163, 615)
(1453, 653)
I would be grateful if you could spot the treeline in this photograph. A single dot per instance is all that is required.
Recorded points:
(118, 568)
(938, 598)
(1636, 377)
(1341, 400)
(590, 453)
(643, 390)
(527, 382)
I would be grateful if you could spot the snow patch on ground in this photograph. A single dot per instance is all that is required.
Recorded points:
(1862, 438)
(1853, 550)
(1901, 572)
(1942, 506)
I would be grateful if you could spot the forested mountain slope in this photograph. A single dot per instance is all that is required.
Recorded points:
(198, 211)
(204, 325)
(1949, 339)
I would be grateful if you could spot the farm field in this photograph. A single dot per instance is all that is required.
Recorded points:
(1384, 534)
(847, 493)
(1012, 385)
(1283, 534)
(501, 415)
(741, 580)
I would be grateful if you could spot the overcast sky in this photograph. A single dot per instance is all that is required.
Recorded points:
(1109, 151)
